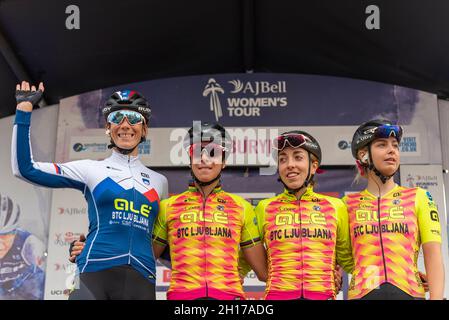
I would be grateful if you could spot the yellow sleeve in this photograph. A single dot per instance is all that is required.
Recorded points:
(243, 266)
(160, 225)
(250, 232)
(260, 215)
(343, 245)
(428, 219)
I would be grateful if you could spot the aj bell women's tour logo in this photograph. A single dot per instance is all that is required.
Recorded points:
(244, 99)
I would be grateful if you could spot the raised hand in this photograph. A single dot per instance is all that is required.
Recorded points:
(26, 97)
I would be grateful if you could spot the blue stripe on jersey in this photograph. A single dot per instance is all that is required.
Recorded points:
(107, 184)
(25, 163)
(120, 225)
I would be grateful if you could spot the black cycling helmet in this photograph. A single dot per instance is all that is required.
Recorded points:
(293, 139)
(368, 132)
(127, 99)
(208, 132)
(372, 130)
(211, 133)
(299, 139)
(131, 100)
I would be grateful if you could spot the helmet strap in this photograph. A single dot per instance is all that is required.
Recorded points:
(122, 150)
(306, 182)
(372, 167)
(202, 183)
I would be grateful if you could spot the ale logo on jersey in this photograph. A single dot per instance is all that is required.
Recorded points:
(244, 98)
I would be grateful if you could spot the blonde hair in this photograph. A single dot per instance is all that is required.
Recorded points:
(358, 176)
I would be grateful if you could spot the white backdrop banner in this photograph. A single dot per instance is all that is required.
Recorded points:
(68, 222)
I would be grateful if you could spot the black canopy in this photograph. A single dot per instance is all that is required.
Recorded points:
(126, 41)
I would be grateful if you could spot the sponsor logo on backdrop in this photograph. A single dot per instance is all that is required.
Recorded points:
(145, 147)
(94, 147)
(72, 211)
(409, 144)
(250, 146)
(91, 147)
(166, 276)
(212, 90)
(64, 239)
(422, 181)
(343, 145)
(65, 267)
(60, 292)
(245, 99)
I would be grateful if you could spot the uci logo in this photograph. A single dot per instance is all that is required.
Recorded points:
(125, 205)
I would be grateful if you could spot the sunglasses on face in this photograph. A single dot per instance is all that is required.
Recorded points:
(294, 140)
(212, 150)
(387, 131)
(133, 117)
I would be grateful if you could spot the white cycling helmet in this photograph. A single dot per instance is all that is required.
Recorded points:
(9, 215)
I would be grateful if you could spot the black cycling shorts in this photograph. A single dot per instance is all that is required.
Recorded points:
(387, 291)
(117, 283)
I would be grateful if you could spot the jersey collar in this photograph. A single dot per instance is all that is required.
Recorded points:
(125, 160)
(369, 194)
(309, 192)
(193, 188)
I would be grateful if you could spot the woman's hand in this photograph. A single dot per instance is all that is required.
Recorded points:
(26, 97)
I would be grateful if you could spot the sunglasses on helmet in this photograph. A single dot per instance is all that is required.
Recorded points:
(212, 150)
(133, 117)
(294, 140)
(386, 131)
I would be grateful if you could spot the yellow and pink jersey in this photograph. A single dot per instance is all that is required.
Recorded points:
(304, 240)
(205, 237)
(386, 245)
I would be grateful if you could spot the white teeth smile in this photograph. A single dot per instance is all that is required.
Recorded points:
(291, 175)
(126, 135)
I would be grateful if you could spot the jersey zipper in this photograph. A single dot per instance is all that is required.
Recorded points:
(132, 221)
(380, 237)
(301, 248)
(204, 240)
